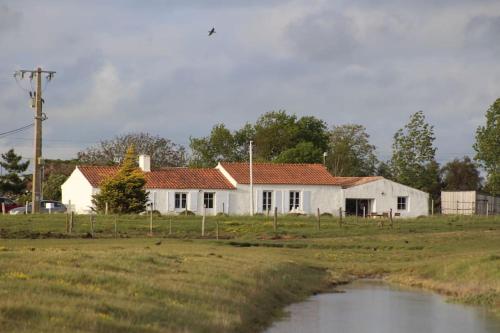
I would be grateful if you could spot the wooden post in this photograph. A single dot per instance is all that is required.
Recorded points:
(151, 223)
(275, 220)
(203, 221)
(223, 209)
(340, 216)
(116, 229)
(432, 207)
(92, 225)
(457, 207)
(364, 212)
(71, 221)
(217, 230)
(67, 223)
(487, 207)
(3, 208)
(26, 208)
(390, 217)
(319, 220)
(170, 227)
(106, 208)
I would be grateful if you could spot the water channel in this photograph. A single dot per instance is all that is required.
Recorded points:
(374, 306)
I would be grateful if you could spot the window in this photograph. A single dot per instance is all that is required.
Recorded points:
(294, 200)
(402, 203)
(208, 199)
(180, 200)
(266, 200)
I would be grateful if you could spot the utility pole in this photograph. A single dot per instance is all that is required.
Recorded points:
(251, 178)
(39, 117)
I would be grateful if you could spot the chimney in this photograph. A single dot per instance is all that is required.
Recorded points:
(145, 163)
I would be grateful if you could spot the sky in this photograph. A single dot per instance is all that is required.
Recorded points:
(131, 65)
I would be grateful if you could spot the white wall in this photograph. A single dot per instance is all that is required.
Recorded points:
(78, 190)
(164, 201)
(385, 194)
(327, 198)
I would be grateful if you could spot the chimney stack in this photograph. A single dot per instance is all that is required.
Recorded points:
(145, 163)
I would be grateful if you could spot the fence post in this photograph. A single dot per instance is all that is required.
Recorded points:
(3, 208)
(487, 207)
(106, 208)
(319, 220)
(390, 217)
(340, 216)
(67, 222)
(92, 217)
(116, 229)
(170, 226)
(364, 212)
(151, 223)
(275, 220)
(457, 207)
(71, 217)
(203, 221)
(223, 209)
(217, 230)
(432, 207)
(26, 207)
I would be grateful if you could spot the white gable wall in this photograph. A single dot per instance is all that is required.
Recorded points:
(77, 190)
(385, 194)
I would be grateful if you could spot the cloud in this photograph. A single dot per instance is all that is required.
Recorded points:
(9, 19)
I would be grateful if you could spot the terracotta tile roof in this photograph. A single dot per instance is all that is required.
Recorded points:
(346, 182)
(171, 178)
(275, 173)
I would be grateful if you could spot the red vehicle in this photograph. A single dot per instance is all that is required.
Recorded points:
(9, 204)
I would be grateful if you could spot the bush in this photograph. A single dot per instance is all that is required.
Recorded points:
(186, 212)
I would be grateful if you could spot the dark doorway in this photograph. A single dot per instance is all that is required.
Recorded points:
(355, 207)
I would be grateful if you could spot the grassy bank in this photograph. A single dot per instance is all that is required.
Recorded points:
(173, 282)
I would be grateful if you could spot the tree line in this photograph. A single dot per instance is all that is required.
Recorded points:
(280, 137)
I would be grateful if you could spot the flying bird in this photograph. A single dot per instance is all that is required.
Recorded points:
(211, 32)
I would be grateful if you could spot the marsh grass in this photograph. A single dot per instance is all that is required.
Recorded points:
(181, 283)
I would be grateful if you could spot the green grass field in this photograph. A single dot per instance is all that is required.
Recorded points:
(179, 282)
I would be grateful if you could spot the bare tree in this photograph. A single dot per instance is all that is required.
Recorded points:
(163, 152)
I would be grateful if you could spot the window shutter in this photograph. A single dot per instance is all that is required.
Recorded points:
(286, 201)
(306, 202)
(193, 201)
(259, 201)
(277, 201)
(171, 201)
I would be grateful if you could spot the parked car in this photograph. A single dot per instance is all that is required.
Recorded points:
(46, 206)
(9, 204)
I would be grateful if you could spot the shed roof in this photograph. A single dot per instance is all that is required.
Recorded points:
(280, 173)
(169, 178)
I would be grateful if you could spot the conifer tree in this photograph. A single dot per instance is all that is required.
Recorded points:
(13, 183)
(124, 192)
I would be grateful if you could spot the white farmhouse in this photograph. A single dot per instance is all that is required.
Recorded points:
(289, 188)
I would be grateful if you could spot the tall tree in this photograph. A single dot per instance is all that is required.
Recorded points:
(52, 186)
(304, 152)
(350, 152)
(413, 156)
(13, 182)
(461, 175)
(124, 192)
(163, 152)
(220, 145)
(275, 132)
(487, 147)
(313, 130)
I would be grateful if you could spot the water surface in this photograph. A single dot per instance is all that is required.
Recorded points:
(374, 306)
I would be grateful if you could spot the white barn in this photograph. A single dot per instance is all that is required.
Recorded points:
(301, 188)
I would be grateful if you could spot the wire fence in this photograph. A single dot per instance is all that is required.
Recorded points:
(478, 207)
